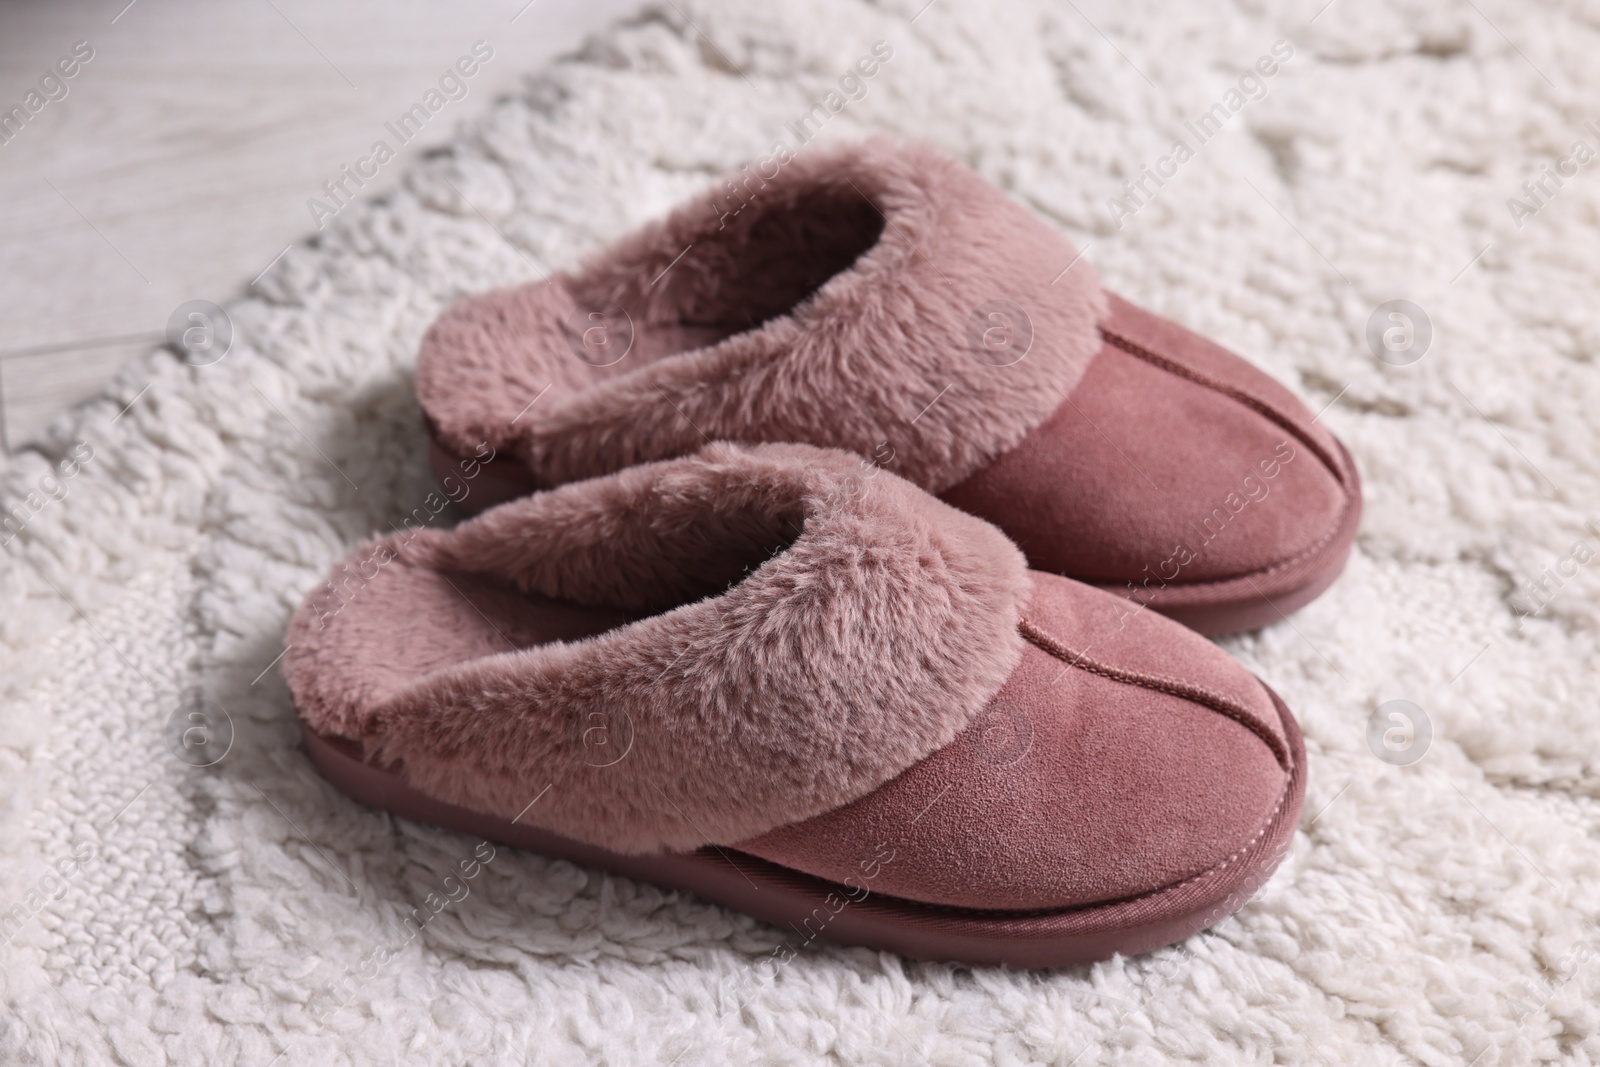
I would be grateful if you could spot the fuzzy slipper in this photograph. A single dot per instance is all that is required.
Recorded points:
(884, 299)
(801, 687)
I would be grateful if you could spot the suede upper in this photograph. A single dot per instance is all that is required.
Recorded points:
(879, 297)
(685, 652)
(1124, 754)
(1173, 463)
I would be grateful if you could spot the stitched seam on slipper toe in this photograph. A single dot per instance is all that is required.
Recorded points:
(1256, 404)
(1272, 414)
(1220, 703)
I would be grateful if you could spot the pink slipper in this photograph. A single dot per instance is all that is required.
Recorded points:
(801, 687)
(884, 299)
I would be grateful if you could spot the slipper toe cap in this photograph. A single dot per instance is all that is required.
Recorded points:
(1124, 756)
(1173, 465)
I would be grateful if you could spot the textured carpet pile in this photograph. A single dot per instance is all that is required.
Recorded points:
(1442, 912)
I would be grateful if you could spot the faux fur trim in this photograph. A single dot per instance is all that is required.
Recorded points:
(842, 301)
(805, 627)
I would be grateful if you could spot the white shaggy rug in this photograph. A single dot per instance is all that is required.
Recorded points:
(1441, 912)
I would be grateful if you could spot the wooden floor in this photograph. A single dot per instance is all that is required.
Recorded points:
(178, 163)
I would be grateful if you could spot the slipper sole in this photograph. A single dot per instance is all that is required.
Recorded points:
(816, 908)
